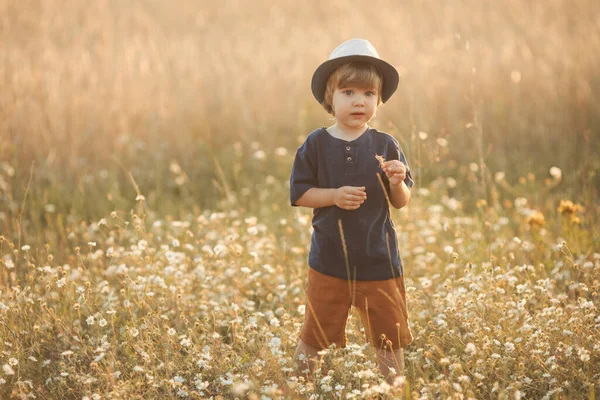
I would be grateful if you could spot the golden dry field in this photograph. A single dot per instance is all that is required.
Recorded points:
(148, 249)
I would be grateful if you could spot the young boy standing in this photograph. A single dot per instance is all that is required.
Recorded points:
(353, 258)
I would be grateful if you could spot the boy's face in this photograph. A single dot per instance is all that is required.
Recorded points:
(354, 106)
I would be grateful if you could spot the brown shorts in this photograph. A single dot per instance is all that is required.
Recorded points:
(381, 304)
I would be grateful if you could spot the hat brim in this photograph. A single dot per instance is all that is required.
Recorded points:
(322, 73)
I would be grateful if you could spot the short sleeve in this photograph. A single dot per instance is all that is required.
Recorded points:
(396, 153)
(304, 173)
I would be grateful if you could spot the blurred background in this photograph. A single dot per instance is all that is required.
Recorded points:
(196, 100)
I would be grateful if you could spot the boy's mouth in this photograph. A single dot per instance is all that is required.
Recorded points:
(357, 113)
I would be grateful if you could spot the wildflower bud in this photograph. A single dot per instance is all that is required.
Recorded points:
(113, 214)
(50, 258)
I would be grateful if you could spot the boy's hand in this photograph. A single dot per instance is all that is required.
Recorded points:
(395, 171)
(349, 197)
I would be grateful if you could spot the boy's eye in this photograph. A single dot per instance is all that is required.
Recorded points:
(369, 93)
(348, 92)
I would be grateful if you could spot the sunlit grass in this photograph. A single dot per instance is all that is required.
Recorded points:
(147, 306)
(92, 93)
(147, 245)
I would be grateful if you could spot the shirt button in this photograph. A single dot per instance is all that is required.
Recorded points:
(349, 158)
(348, 148)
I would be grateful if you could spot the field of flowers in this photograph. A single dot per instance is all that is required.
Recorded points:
(147, 246)
(503, 303)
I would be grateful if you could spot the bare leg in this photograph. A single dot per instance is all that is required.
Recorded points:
(306, 357)
(388, 360)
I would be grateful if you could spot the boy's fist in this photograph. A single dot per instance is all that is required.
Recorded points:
(349, 197)
(395, 171)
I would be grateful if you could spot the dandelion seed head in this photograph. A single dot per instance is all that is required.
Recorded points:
(281, 151)
(556, 173)
(259, 155)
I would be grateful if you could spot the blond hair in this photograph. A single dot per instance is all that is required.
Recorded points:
(357, 74)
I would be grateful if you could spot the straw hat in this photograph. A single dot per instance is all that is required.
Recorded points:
(354, 50)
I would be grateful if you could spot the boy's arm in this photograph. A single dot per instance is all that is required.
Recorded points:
(316, 198)
(399, 195)
(398, 174)
(346, 197)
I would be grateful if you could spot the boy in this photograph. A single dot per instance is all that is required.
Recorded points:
(353, 258)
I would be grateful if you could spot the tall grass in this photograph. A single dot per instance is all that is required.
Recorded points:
(147, 249)
(92, 92)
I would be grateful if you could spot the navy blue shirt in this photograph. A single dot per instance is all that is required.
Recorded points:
(324, 161)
